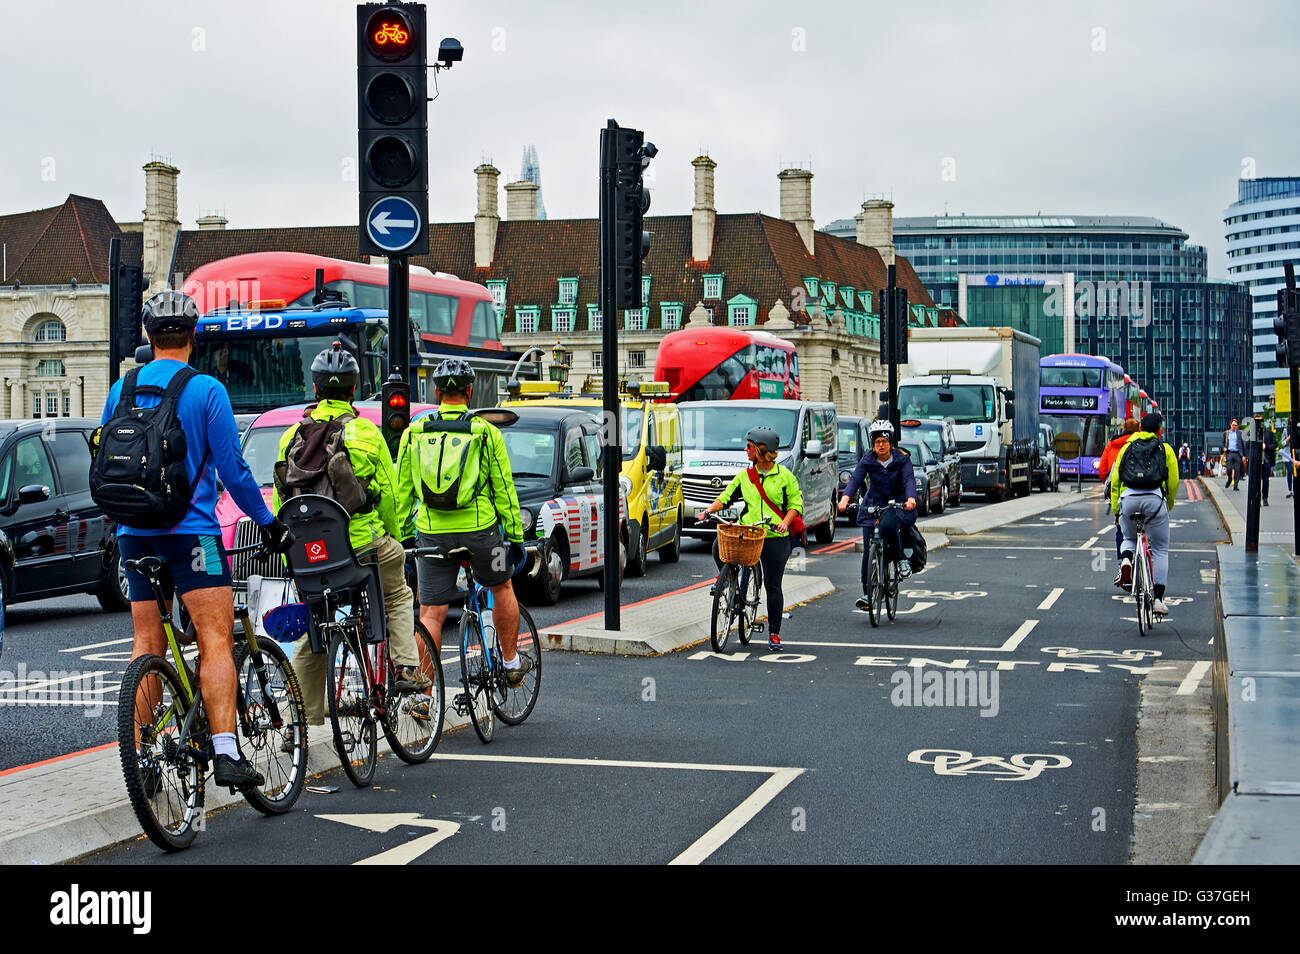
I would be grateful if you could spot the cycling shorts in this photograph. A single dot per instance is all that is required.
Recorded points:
(193, 561)
(490, 560)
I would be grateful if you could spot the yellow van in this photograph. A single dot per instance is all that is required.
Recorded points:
(652, 463)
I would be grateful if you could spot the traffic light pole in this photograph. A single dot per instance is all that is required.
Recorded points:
(399, 320)
(1294, 426)
(892, 322)
(609, 371)
(114, 333)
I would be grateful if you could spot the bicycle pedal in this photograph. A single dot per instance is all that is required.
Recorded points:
(758, 627)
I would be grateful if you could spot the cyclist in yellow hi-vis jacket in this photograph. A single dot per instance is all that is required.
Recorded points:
(1146, 482)
(453, 467)
(374, 526)
(771, 493)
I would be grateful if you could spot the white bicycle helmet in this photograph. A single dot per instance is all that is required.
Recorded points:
(880, 429)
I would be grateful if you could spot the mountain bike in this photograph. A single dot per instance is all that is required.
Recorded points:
(486, 694)
(165, 739)
(738, 587)
(881, 584)
(1143, 578)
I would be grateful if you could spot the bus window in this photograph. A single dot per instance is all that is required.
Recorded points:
(419, 310)
(441, 311)
(370, 296)
(484, 327)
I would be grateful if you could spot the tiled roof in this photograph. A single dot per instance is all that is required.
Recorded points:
(53, 246)
(758, 255)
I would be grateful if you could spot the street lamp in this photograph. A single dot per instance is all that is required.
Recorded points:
(559, 369)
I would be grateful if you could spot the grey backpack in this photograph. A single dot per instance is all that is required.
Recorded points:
(317, 462)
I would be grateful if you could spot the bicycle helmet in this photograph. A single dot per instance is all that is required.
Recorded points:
(880, 429)
(764, 436)
(453, 374)
(335, 372)
(169, 310)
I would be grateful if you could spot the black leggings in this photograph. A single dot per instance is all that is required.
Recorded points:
(891, 529)
(776, 551)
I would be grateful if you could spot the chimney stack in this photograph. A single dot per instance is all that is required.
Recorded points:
(212, 222)
(486, 218)
(521, 201)
(876, 227)
(704, 215)
(161, 226)
(796, 202)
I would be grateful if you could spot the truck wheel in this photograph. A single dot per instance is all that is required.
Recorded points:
(638, 559)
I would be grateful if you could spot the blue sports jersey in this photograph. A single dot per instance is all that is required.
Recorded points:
(209, 423)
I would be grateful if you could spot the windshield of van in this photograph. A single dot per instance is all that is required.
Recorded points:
(723, 428)
(632, 418)
(970, 404)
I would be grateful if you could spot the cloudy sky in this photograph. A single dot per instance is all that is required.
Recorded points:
(1151, 108)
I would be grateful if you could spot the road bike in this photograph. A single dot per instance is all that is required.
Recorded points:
(737, 589)
(1143, 577)
(486, 693)
(165, 739)
(881, 585)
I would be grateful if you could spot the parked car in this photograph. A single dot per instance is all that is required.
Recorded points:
(931, 478)
(713, 434)
(940, 436)
(852, 445)
(54, 539)
(1047, 474)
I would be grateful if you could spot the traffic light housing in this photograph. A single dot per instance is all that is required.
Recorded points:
(128, 300)
(893, 325)
(632, 154)
(1287, 327)
(392, 121)
(396, 397)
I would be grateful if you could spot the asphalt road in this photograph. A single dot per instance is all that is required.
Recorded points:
(813, 755)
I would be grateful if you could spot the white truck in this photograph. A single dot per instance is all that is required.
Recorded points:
(986, 380)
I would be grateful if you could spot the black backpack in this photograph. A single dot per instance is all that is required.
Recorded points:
(317, 462)
(138, 476)
(1143, 466)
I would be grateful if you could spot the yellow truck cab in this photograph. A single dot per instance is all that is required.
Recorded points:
(652, 462)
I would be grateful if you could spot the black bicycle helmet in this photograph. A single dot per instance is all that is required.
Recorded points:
(169, 310)
(764, 435)
(453, 374)
(335, 372)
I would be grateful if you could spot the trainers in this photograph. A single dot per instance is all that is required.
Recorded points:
(1160, 608)
(236, 774)
(1119, 579)
(774, 643)
(1126, 572)
(862, 602)
(410, 679)
(904, 569)
(515, 677)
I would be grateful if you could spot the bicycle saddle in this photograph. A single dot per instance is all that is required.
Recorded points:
(149, 565)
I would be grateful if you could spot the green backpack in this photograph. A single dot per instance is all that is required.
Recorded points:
(449, 461)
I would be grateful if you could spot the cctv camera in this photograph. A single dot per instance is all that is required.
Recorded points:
(450, 51)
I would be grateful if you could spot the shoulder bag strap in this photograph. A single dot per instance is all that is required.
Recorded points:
(127, 397)
(758, 484)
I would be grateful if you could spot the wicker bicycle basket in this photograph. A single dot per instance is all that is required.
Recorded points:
(740, 544)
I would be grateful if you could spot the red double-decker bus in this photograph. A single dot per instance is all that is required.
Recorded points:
(444, 308)
(721, 364)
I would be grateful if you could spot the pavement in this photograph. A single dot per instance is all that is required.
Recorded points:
(1276, 521)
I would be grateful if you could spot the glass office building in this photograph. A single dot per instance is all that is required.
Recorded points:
(1263, 232)
(1183, 338)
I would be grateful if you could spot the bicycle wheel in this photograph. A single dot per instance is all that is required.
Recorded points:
(349, 699)
(476, 675)
(891, 590)
(513, 705)
(726, 610)
(413, 720)
(164, 785)
(273, 725)
(875, 587)
(1140, 588)
(753, 586)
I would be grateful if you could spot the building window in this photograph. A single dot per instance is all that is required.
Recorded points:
(498, 289)
(634, 319)
(52, 330)
(51, 403)
(568, 291)
(865, 297)
(712, 286)
(846, 296)
(636, 359)
(50, 368)
(828, 293)
(36, 404)
(740, 315)
(526, 321)
(595, 360)
(810, 285)
(67, 404)
(645, 289)
(671, 316)
(562, 318)
(594, 322)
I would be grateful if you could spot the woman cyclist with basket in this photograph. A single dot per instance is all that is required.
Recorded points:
(889, 476)
(771, 496)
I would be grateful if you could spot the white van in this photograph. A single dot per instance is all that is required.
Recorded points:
(713, 442)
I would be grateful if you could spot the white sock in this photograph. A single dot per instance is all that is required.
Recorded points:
(512, 663)
(223, 743)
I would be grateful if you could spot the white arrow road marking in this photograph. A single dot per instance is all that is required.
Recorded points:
(114, 642)
(382, 221)
(402, 854)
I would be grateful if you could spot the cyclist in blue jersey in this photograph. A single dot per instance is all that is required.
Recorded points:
(191, 549)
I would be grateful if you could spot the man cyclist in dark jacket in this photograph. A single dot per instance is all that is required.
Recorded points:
(890, 477)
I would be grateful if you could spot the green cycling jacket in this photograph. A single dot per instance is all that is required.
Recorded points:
(781, 487)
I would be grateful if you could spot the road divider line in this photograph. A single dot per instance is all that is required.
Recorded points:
(614, 763)
(1193, 678)
(1050, 600)
(737, 818)
(111, 642)
(1019, 635)
(1088, 545)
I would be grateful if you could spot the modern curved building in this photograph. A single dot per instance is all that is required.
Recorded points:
(1263, 232)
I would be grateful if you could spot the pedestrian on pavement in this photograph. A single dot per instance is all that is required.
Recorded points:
(1268, 454)
(1184, 459)
(1104, 466)
(1233, 445)
(1146, 482)
(1288, 461)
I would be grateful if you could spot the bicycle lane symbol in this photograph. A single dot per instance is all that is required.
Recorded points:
(386, 822)
(1018, 768)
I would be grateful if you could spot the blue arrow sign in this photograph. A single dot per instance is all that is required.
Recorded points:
(393, 223)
